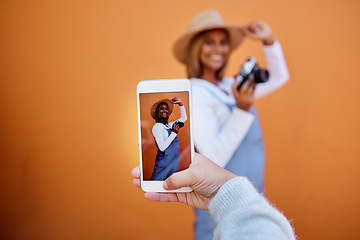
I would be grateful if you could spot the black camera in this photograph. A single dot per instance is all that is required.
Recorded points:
(251, 71)
(180, 124)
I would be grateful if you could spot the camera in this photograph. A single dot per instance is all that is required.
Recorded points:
(180, 124)
(251, 71)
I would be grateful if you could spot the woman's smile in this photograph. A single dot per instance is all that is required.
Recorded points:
(163, 111)
(215, 50)
(217, 60)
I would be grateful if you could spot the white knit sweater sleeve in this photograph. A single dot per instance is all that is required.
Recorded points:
(240, 212)
(277, 68)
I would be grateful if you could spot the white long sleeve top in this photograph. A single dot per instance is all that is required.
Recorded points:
(159, 130)
(240, 212)
(218, 130)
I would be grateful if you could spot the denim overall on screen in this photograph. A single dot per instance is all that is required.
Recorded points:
(248, 160)
(167, 161)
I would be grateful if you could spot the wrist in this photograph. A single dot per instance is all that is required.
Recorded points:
(269, 41)
(244, 107)
(235, 194)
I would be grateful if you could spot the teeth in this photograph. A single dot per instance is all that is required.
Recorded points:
(216, 57)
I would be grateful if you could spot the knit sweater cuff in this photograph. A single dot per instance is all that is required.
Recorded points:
(235, 194)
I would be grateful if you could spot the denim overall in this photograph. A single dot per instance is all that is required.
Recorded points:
(249, 161)
(167, 161)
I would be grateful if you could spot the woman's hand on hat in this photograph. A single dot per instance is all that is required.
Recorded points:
(176, 100)
(203, 176)
(259, 30)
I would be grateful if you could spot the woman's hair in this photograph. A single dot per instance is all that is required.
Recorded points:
(157, 113)
(193, 63)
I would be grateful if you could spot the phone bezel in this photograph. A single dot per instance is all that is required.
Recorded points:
(165, 86)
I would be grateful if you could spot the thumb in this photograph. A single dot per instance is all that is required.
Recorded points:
(178, 180)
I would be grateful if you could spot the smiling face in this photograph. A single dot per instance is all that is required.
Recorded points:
(163, 111)
(215, 50)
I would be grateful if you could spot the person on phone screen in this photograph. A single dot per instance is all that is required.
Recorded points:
(166, 137)
(226, 126)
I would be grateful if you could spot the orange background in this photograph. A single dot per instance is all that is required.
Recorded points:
(68, 74)
(149, 149)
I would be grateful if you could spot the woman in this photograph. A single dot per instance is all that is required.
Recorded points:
(226, 127)
(166, 139)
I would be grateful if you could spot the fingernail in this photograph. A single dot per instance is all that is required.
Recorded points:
(165, 186)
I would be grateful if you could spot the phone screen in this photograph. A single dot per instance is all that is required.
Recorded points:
(165, 148)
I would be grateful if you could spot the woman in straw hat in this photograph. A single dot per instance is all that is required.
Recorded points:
(226, 126)
(166, 137)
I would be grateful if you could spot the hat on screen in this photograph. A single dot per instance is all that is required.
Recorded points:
(204, 21)
(154, 106)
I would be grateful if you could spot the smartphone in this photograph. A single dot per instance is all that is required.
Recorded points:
(165, 137)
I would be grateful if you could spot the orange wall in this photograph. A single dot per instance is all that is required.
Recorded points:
(68, 125)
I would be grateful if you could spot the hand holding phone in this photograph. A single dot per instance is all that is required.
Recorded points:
(203, 176)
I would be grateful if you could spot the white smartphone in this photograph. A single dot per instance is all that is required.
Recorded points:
(165, 136)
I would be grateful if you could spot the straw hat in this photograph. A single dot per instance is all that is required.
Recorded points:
(206, 20)
(154, 106)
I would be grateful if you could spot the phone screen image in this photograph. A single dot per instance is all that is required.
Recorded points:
(165, 148)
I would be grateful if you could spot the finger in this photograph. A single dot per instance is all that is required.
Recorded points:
(235, 84)
(259, 24)
(245, 87)
(136, 172)
(170, 197)
(161, 197)
(252, 34)
(178, 180)
(152, 196)
(251, 89)
(255, 24)
(253, 86)
(252, 27)
(246, 31)
(251, 30)
(136, 182)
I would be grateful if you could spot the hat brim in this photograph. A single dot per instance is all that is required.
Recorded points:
(180, 48)
(153, 107)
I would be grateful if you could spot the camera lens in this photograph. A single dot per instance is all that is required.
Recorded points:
(180, 124)
(261, 75)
